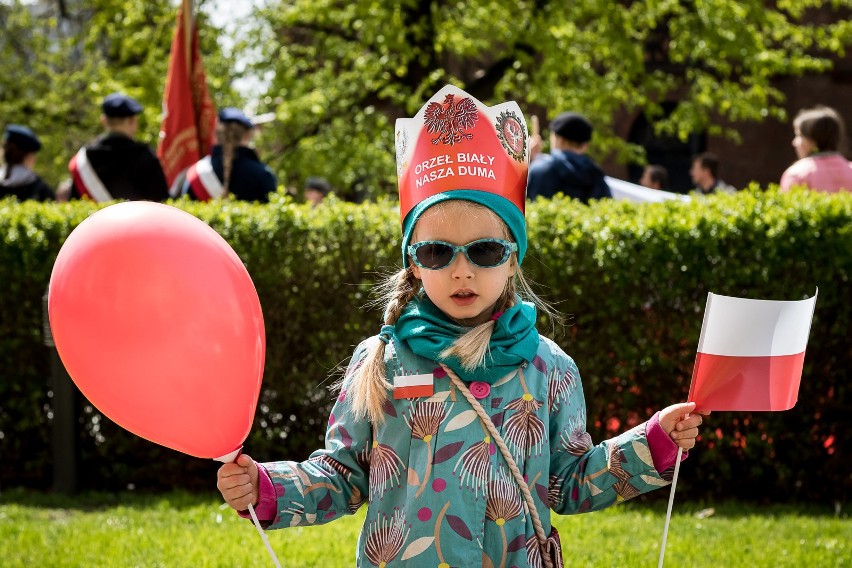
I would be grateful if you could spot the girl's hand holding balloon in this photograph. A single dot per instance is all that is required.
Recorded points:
(238, 483)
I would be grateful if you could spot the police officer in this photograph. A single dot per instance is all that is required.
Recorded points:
(116, 166)
(232, 166)
(20, 146)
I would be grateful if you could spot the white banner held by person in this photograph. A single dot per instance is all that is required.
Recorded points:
(625, 190)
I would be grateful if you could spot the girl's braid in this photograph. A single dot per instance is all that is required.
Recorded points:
(232, 136)
(368, 390)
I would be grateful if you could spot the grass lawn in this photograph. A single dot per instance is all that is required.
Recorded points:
(179, 529)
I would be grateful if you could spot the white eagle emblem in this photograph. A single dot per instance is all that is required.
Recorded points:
(450, 119)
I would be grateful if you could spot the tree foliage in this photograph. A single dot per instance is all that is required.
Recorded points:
(340, 72)
(344, 70)
(60, 58)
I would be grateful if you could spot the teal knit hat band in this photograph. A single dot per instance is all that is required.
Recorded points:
(502, 207)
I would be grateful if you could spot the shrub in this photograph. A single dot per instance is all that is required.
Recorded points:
(633, 280)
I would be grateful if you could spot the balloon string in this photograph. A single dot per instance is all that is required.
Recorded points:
(669, 511)
(263, 536)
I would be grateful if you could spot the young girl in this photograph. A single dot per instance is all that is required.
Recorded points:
(458, 423)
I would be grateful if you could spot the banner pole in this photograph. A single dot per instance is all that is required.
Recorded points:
(669, 510)
(187, 34)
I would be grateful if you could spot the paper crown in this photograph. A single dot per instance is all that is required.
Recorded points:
(456, 142)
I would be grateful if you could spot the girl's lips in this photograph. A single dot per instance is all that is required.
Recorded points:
(463, 298)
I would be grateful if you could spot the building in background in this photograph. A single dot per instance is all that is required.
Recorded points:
(765, 149)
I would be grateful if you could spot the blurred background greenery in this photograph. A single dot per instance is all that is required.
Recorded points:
(336, 74)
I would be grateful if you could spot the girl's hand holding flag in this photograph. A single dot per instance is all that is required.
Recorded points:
(680, 424)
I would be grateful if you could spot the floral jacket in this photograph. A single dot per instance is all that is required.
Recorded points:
(439, 491)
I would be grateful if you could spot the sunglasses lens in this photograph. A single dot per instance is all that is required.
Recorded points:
(434, 255)
(487, 253)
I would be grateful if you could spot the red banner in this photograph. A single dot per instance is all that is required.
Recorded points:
(189, 117)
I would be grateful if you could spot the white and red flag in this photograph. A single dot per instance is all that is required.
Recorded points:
(750, 353)
(189, 117)
(750, 357)
(413, 386)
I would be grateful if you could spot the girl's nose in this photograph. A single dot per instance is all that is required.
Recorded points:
(461, 267)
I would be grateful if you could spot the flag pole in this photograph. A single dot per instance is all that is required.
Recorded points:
(679, 449)
(187, 33)
(669, 510)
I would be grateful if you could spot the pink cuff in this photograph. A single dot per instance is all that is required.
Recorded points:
(663, 449)
(265, 508)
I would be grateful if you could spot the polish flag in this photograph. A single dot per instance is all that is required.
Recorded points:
(412, 386)
(750, 353)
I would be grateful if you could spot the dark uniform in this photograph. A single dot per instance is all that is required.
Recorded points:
(250, 179)
(17, 180)
(23, 184)
(127, 168)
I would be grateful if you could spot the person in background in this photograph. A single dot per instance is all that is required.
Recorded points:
(116, 166)
(819, 136)
(567, 169)
(232, 168)
(316, 188)
(655, 177)
(705, 175)
(17, 178)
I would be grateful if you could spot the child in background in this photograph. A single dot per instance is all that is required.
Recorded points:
(459, 424)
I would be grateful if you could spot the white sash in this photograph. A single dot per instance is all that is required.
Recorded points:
(207, 177)
(92, 184)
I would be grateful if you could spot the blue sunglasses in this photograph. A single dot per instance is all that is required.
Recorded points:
(484, 253)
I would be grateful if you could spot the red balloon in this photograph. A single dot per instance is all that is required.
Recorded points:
(159, 325)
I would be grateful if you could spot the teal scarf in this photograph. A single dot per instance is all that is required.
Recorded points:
(427, 332)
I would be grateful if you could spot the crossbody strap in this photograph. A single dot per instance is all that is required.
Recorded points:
(510, 461)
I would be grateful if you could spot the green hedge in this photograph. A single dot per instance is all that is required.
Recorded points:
(632, 279)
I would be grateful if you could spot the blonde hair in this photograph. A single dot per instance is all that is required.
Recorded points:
(230, 136)
(368, 388)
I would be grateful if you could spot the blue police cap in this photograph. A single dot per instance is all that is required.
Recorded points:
(22, 137)
(231, 114)
(118, 105)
